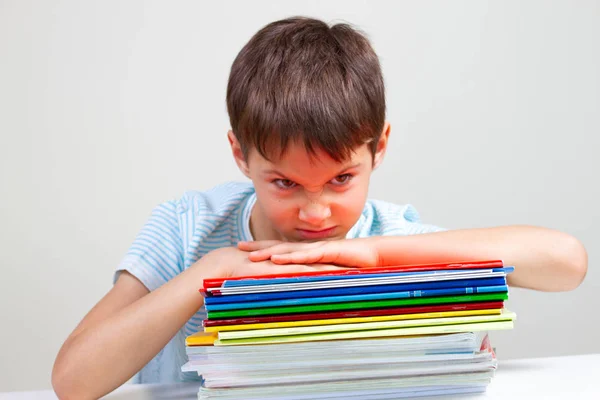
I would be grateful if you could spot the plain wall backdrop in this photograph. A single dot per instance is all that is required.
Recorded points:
(109, 108)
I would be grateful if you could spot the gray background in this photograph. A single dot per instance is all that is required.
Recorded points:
(108, 108)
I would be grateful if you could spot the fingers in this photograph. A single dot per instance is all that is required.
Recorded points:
(258, 245)
(327, 267)
(266, 253)
(285, 252)
(321, 254)
(305, 268)
(299, 257)
(267, 268)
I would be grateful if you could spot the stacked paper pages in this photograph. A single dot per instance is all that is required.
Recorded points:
(374, 332)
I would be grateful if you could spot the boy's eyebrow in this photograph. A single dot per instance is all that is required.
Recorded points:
(274, 171)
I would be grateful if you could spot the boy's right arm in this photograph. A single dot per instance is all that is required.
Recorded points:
(129, 326)
(123, 332)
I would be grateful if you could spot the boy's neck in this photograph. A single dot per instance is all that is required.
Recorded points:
(260, 228)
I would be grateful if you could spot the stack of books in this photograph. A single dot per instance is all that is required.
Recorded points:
(376, 333)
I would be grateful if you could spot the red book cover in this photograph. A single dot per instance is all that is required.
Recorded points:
(218, 282)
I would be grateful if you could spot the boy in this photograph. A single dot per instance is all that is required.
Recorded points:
(307, 109)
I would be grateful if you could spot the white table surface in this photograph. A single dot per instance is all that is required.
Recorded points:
(570, 377)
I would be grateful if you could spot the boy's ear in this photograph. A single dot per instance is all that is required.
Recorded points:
(238, 155)
(382, 145)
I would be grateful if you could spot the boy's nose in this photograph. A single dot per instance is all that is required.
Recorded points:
(314, 213)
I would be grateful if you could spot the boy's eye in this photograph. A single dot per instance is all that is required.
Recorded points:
(284, 183)
(341, 179)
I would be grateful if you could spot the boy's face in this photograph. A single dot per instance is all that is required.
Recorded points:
(304, 197)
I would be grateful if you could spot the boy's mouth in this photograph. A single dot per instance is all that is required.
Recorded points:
(309, 234)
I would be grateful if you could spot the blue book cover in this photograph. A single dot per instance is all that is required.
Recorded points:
(353, 290)
(360, 297)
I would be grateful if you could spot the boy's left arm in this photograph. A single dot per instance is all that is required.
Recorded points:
(544, 259)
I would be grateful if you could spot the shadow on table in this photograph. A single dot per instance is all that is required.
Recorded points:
(187, 390)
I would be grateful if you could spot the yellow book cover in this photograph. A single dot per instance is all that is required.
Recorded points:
(366, 326)
(397, 332)
(201, 339)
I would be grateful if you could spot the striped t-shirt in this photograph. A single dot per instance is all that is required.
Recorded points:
(180, 232)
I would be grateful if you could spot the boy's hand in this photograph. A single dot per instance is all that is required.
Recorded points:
(348, 252)
(230, 262)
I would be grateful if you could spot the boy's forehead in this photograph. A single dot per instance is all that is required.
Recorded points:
(296, 159)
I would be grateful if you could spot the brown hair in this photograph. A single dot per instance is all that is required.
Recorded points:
(302, 81)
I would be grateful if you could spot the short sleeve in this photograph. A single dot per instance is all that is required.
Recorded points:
(415, 228)
(156, 255)
(381, 218)
(413, 224)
